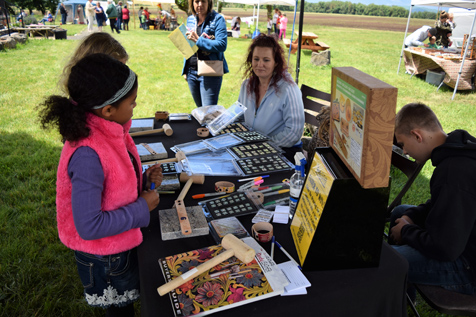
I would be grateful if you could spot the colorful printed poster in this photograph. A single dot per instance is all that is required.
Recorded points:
(311, 203)
(348, 120)
(226, 285)
(180, 40)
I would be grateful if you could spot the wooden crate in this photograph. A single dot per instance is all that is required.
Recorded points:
(362, 127)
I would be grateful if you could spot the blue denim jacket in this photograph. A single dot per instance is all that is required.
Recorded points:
(214, 25)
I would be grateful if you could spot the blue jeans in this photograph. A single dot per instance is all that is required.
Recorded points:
(63, 18)
(111, 280)
(204, 89)
(119, 24)
(451, 275)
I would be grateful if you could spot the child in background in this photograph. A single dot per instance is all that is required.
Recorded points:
(143, 21)
(101, 198)
(282, 27)
(433, 43)
(270, 25)
(99, 42)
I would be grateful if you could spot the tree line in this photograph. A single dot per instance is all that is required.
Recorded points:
(337, 7)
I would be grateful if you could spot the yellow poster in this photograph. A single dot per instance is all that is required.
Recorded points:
(184, 45)
(313, 198)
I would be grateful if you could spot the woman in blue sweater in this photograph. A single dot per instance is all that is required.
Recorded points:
(208, 29)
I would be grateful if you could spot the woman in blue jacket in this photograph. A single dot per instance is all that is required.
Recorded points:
(208, 29)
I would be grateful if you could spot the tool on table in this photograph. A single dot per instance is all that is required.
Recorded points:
(282, 191)
(234, 247)
(189, 180)
(252, 178)
(287, 254)
(179, 156)
(250, 184)
(198, 196)
(165, 128)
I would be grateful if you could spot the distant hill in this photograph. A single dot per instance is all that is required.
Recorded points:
(400, 3)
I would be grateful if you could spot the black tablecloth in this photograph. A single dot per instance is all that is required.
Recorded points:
(378, 291)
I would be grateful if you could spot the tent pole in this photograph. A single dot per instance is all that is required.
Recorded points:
(464, 58)
(298, 57)
(292, 32)
(257, 17)
(403, 44)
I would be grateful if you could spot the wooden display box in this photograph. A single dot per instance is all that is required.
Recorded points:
(362, 124)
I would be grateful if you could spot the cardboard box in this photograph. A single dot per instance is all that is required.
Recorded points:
(362, 124)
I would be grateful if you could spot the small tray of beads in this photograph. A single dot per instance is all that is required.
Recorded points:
(167, 168)
(263, 165)
(251, 136)
(234, 204)
(253, 150)
(234, 127)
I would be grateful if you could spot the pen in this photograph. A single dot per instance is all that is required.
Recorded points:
(252, 178)
(198, 196)
(287, 254)
(272, 247)
(152, 186)
(268, 189)
(282, 191)
(274, 202)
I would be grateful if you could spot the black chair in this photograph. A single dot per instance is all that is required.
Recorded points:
(448, 302)
(314, 105)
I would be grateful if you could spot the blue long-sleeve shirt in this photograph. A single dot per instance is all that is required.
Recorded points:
(280, 114)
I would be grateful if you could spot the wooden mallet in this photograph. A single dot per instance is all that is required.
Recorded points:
(165, 128)
(178, 157)
(185, 225)
(189, 180)
(233, 247)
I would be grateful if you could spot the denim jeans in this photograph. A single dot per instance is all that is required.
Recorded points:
(204, 89)
(109, 280)
(451, 275)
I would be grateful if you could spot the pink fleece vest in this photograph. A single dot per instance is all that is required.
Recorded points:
(112, 142)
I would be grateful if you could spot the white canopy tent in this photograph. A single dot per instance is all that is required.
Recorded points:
(465, 4)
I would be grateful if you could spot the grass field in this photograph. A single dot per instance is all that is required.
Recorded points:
(37, 273)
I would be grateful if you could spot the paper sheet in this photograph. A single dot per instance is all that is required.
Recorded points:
(184, 45)
(281, 214)
(297, 281)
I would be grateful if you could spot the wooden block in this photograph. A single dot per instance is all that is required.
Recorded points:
(170, 224)
(141, 125)
(151, 151)
(362, 126)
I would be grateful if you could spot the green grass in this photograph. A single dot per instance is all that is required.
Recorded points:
(37, 273)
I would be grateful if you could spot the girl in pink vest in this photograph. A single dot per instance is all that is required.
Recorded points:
(102, 198)
(283, 26)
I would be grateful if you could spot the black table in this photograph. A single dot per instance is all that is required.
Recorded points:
(378, 291)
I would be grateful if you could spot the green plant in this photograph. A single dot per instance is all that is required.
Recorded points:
(30, 20)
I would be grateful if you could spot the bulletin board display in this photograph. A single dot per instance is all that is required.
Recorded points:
(311, 204)
(362, 127)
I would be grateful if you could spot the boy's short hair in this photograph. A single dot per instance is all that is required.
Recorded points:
(433, 38)
(416, 115)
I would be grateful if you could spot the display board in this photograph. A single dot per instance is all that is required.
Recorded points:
(362, 126)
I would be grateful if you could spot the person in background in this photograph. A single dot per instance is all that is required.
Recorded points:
(22, 15)
(112, 15)
(451, 16)
(64, 13)
(283, 26)
(125, 18)
(272, 98)
(438, 237)
(433, 43)
(94, 43)
(275, 21)
(102, 196)
(80, 13)
(119, 16)
(100, 16)
(278, 24)
(416, 38)
(236, 25)
(47, 18)
(443, 30)
(90, 14)
(269, 26)
(139, 13)
(147, 17)
(207, 29)
(143, 21)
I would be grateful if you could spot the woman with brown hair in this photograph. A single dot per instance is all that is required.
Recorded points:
(272, 98)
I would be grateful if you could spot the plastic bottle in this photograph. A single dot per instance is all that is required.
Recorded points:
(296, 182)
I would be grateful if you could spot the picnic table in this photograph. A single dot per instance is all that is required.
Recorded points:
(37, 29)
(307, 43)
(418, 62)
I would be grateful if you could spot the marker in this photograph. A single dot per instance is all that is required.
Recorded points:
(282, 191)
(268, 189)
(166, 192)
(287, 254)
(272, 247)
(275, 202)
(252, 178)
(249, 185)
(198, 196)
(152, 186)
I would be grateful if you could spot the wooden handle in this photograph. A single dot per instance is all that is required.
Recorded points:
(173, 159)
(146, 132)
(175, 283)
(185, 189)
(183, 217)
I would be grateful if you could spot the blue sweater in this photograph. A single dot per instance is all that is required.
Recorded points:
(215, 25)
